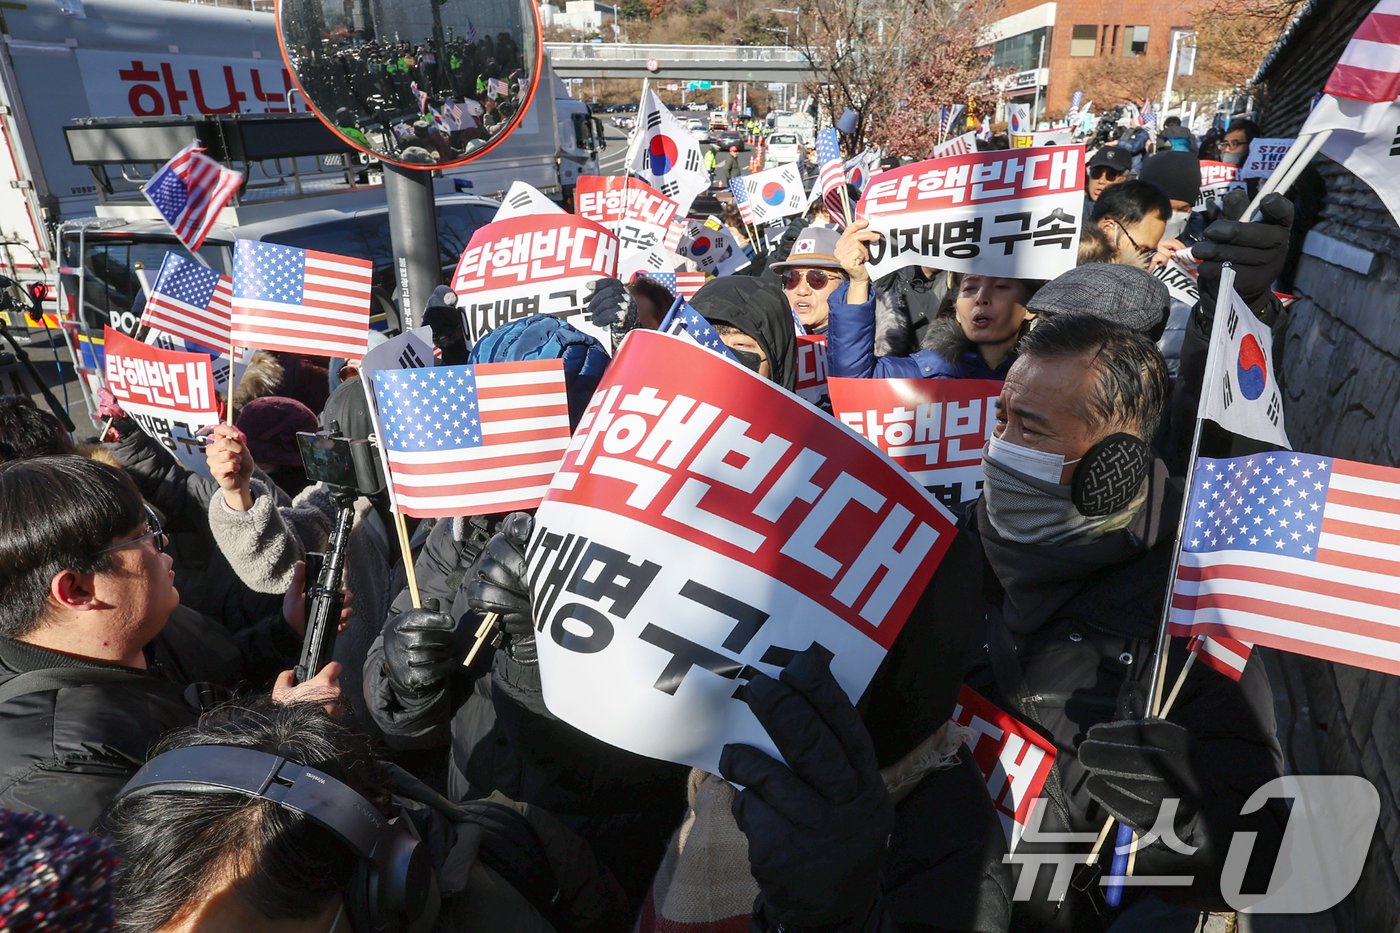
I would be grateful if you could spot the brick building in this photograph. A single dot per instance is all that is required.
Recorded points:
(1075, 33)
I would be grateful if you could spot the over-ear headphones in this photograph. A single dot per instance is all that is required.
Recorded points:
(394, 887)
(1110, 474)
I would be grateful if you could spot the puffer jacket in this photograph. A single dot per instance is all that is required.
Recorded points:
(946, 354)
(69, 747)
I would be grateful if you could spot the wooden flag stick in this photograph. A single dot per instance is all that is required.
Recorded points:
(408, 569)
(483, 632)
(232, 376)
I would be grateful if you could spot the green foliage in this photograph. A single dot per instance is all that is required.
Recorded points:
(632, 9)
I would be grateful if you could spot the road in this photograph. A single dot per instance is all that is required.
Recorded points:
(613, 159)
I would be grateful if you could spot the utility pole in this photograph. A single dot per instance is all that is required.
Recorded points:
(1039, 65)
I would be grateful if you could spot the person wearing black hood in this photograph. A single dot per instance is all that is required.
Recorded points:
(753, 319)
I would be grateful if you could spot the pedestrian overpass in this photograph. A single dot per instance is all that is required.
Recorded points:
(752, 64)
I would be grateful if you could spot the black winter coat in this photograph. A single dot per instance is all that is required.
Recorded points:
(68, 749)
(1080, 625)
(503, 739)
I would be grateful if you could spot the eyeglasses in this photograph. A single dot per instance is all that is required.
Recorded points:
(816, 278)
(155, 533)
(1103, 171)
(1234, 144)
(1146, 252)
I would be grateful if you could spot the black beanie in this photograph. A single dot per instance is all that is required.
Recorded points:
(1176, 173)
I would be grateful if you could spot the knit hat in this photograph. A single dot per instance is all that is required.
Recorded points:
(814, 248)
(271, 424)
(1176, 173)
(541, 337)
(1125, 295)
(758, 308)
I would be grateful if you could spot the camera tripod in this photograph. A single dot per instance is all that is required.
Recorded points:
(15, 365)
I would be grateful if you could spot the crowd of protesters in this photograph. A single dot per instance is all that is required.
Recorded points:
(150, 616)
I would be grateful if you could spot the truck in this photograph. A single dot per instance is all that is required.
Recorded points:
(69, 60)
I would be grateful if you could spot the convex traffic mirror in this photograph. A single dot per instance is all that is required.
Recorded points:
(420, 83)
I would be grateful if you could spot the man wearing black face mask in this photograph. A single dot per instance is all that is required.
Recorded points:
(754, 320)
(1075, 524)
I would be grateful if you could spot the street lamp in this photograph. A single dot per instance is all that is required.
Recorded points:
(795, 13)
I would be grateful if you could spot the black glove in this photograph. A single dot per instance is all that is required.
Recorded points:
(818, 826)
(442, 315)
(1135, 764)
(610, 303)
(499, 584)
(1256, 251)
(419, 649)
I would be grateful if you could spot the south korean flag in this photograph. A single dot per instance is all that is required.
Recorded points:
(666, 156)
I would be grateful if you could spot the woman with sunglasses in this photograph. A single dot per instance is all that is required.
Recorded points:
(809, 276)
(973, 337)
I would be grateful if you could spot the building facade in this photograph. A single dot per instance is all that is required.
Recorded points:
(1046, 45)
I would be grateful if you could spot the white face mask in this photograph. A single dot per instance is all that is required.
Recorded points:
(1039, 464)
(1176, 225)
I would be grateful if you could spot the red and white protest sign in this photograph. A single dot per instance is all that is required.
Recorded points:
(532, 264)
(522, 200)
(934, 428)
(1014, 759)
(1013, 213)
(147, 380)
(170, 394)
(811, 368)
(1217, 178)
(705, 524)
(1265, 154)
(641, 217)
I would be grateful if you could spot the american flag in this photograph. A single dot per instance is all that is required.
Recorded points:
(948, 115)
(471, 35)
(831, 175)
(1296, 552)
(1149, 115)
(495, 87)
(1225, 655)
(190, 301)
(472, 440)
(300, 300)
(682, 283)
(740, 190)
(1369, 68)
(1072, 115)
(189, 191)
(421, 96)
(684, 321)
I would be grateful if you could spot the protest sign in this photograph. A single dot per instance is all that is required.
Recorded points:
(1264, 156)
(811, 368)
(169, 393)
(1217, 178)
(539, 264)
(1014, 759)
(219, 363)
(1013, 213)
(1180, 281)
(522, 200)
(705, 524)
(934, 428)
(637, 213)
(712, 247)
(1055, 136)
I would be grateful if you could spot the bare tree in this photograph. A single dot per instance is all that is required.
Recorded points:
(895, 62)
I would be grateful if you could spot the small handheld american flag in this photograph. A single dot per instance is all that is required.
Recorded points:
(685, 321)
(1295, 552)
(831, 175)
(1072, 115)
(740, 190)
(682, 283)
(300, 300)
(472, 440)
(1227, 656)
(189, 191)
(190, 301)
